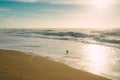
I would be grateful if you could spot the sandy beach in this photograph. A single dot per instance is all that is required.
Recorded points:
(16, 65)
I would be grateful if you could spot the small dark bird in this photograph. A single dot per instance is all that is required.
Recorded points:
(67, 52)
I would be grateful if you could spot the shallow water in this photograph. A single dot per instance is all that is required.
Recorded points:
(96, 54)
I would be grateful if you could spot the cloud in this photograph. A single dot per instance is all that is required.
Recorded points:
(29, 1)
(69, 1)
(54, 1)
(25, 0)
(4, 9)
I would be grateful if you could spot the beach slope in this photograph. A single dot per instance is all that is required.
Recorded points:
(16, 65)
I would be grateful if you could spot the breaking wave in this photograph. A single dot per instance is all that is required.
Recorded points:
(106, 37)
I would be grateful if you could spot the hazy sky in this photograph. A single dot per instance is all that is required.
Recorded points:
(59, 13)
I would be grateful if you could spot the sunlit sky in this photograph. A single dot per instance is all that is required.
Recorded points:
(59, 13)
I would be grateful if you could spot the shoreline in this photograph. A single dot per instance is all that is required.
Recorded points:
(16, 65)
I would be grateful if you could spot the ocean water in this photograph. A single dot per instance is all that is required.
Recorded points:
(92, 50)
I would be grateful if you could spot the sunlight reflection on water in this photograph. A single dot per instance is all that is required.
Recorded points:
(98, 57)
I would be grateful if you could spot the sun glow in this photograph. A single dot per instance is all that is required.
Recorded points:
(101, 4)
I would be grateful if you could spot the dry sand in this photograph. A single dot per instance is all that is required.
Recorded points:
(16, 65)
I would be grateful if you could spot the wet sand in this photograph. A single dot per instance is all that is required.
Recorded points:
(16, 65)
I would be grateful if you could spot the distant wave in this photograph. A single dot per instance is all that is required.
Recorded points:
(93, 37)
